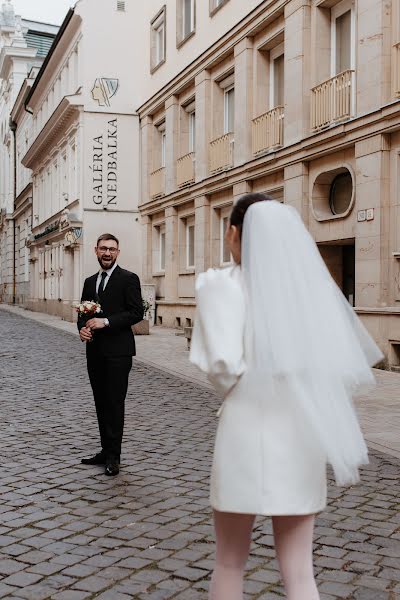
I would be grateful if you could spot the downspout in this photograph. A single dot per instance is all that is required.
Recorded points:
(13, 127)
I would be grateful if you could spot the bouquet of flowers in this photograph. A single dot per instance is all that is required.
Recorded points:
(147, 305)
(87, 308)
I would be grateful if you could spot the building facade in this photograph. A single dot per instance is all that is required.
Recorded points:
(23, 47)
(84, 155)
(295, 98)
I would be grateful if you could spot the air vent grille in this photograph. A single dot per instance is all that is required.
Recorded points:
(121, 5)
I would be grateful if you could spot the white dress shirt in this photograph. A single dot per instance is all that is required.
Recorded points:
(109, 273)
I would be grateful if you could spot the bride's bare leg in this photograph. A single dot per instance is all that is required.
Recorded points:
(233, 537)
(293, 544)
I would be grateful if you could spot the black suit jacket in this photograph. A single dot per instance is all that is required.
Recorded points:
(122, 305)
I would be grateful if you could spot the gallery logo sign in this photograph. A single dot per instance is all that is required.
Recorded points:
(73, 235)
(104, 89)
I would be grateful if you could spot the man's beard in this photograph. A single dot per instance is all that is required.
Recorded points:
(106, 265)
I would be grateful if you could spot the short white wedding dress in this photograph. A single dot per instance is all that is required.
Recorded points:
(285, 413)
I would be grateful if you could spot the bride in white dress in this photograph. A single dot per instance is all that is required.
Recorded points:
(285, 351)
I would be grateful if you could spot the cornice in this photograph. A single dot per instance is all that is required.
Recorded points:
(9, 53)
(68, 108)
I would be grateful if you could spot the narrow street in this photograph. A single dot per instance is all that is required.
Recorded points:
(69, 533)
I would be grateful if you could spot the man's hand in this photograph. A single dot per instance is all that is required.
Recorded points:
(95, 324)
(85, 334)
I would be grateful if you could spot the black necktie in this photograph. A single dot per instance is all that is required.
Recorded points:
(102, 284)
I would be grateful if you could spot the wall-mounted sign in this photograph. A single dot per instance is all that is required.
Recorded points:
(105, 166)
(365, 215)
(73, 235)
(104, 89)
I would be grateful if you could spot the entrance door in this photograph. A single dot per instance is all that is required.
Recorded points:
(339, 257)
(349, 273)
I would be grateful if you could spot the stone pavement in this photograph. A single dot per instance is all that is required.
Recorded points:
(379, 409)
(69, 533)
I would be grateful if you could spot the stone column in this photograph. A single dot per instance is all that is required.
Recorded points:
(146, 158)
(296, 189)
(202, 234)
(171, 254)
(372, 237)
(374, 31)
(243, 101)
(203, 120)
(297, 70)
(171, 131)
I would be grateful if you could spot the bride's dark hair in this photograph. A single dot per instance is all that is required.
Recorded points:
(240, 208)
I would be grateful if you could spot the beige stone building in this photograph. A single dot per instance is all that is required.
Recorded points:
(83, 155)
(296, 98)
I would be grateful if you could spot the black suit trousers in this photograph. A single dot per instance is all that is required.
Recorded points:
(109, 380)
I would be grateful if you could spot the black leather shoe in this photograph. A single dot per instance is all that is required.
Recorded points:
(97, 459)
(111, 469)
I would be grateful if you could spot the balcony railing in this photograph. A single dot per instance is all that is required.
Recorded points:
(185, 170)
(397, 69)
(157, 183)
(221, 153)
(332, 100)
(268, 130)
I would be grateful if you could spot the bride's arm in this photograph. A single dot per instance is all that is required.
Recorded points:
(217, 346)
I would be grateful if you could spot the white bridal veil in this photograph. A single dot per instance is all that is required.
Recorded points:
(304, 337)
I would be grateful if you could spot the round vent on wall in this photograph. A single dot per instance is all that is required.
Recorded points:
(341, 193)
(333, 194)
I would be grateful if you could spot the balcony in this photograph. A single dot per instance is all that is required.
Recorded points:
(268, 130)
(397, 69)
(185, 170)
(332, 100)
(157, 183)
(221, 153)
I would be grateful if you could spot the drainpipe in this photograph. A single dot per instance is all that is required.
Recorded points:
(13, 127)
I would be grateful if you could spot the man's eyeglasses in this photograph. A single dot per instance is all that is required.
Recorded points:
(104, 249)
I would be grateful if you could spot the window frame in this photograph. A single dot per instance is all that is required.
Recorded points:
(216, 5)
(227, 90)
(337, 11)
(190, 224)
(163, 160)
(181, 35)
(224, 214)
(160, 20)
(161, 248)
(192, 131)
(274, 54)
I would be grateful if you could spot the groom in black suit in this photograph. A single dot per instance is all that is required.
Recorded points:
(110, 346)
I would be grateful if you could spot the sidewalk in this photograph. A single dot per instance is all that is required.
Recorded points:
(379, 410)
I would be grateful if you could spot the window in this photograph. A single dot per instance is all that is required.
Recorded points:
(162, 249)
(185, 19)
(163, 148)
(225, 252)
(277, 77)
(229, 110)
(190, 244)
(158, 39)
(192, 131)
(342, 37)
(215, 5)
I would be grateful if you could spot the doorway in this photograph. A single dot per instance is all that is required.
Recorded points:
(340, 259)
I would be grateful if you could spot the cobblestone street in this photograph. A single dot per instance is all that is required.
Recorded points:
(69, 533)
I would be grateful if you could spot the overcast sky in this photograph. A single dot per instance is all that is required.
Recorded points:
(48, 11)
